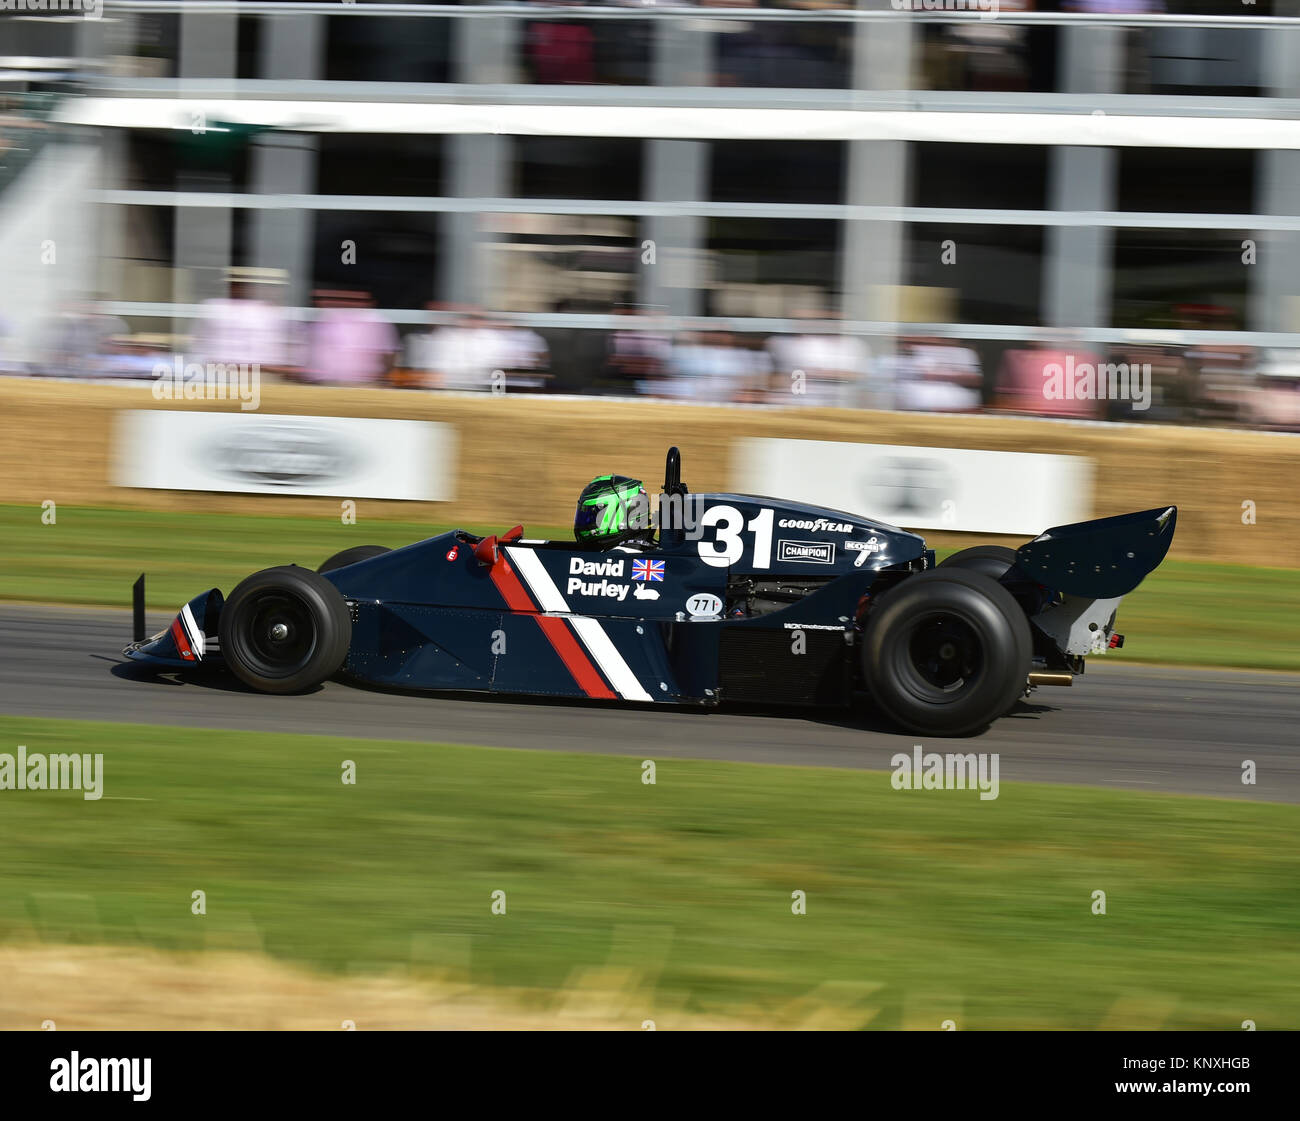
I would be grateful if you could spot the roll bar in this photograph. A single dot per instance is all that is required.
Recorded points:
(673, 473)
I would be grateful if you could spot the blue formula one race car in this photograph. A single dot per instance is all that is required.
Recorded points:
(739, 599)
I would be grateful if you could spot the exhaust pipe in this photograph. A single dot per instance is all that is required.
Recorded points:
(1051, 677)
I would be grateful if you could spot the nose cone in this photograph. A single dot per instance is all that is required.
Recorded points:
(189, 639)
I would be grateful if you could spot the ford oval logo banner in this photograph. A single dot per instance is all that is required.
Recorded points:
(284, 455)
(346, 457)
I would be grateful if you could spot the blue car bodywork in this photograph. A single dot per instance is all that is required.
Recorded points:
(675, 624)
(747, 598)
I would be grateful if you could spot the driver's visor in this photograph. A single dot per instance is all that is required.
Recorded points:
(587, 519)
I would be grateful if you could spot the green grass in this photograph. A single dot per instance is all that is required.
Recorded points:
(1184, 613)
(1193, 613)
(980, 910)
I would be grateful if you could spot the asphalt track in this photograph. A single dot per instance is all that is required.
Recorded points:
(1179, 730)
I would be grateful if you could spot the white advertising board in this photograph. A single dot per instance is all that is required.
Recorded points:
(921, 488)
(256, 453)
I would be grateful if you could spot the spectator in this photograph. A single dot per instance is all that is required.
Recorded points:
(636, 359)
(453, 356)
(988, 55)
(561, 53)
(938, 376)
(1275, 403)
(709, 368)
(249, 327)
(1040, 380)
(819, 368)
(77, 340)
(1222, 373)
(521, 354)
(762, 54)
(476, 355)
(349, 343)
(1173, 385)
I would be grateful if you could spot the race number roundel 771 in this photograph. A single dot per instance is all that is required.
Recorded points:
(728, 545)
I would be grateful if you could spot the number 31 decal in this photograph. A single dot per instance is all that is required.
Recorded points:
(729, 544)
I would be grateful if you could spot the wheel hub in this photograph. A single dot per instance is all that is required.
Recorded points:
(281, 635)
(945, 651)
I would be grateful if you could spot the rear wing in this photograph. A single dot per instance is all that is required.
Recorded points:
(1102, 559)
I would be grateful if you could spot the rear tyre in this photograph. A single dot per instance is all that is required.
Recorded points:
(285, 630)
(352, 555)
(946, 652)
(992, 561)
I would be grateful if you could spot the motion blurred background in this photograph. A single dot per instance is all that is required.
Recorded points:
(913, 210)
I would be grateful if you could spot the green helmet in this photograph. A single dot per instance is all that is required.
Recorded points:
(611, 508)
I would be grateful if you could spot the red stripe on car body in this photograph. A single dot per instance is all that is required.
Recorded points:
(557, 632)
(182, 643)
(584, 673)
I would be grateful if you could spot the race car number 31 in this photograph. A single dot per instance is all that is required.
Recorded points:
(728, 545)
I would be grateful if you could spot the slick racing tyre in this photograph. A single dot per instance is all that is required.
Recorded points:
(946, 652)
(352, 555)
(285, 630)
(992, 561)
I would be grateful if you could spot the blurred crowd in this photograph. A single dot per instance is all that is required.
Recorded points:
(1202, 384)
(348, 342)
(565, 44)
(979, 54)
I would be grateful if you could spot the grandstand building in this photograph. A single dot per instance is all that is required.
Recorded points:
(1119, 180)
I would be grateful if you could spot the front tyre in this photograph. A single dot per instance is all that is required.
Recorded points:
(946, 652)
(285, 630)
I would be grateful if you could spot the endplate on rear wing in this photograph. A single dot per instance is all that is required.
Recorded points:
(1101, 559)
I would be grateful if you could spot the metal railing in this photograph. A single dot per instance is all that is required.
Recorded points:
(532, 12)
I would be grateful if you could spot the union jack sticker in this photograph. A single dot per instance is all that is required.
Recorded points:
(652, 570)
